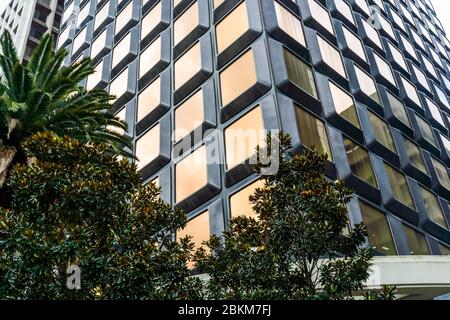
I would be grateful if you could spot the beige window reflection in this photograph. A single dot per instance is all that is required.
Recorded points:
(426, 131)
(382, 131)
(433, 207)
(149, 57)
(331, 56)
(101, 16)
(344, 8)
(191, 174)
(98, 44)
(123, 17)
(379, 233)
(359, 161)
(238, 77)
(151, 20)
(148, 99)
(186, 23)
(198, 228)
(344, 104)
(232, 27)
(321, 15)
(96, 77)
(122, 116)
(147, 147)
(242, 137)
(398, 108)
(399, 186)
(217, 3)
(384, 68)
(189, 115)
(411, 91)
(312, 131)
(187, 66)
(79, 40)
(416, 241)
(121, 50)
(289, 23)
(120, 84)
(354, 43)
(240, 203)
(415, 155)
(300, 73)
(442, 173)
(367, 84)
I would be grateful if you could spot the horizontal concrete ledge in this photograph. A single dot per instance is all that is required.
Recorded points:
(416, 277)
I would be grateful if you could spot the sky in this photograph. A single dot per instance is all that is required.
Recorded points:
(442, 8)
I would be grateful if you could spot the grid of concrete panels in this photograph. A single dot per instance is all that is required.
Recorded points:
(369, 86)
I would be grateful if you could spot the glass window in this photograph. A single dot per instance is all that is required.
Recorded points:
(217, 3)
(119, 85)
(300, 74)
(354, 43)
(151, 20)
(96, 77)
(345, 9)
(147, 147)
(189, 115)
(149, 57)
(98, 44)
(121, 50)
(82, 14)
(398, 109)
(122, 116)
(445, 143)
(191, 174)
(344, 104)
(444, 249)
(289, 23)
(411, 91)
(382, 131)
(433, 207)
(379, 233)
(359, 161)
(198, 228)
(312, 131)
(234, 25)
(124, 16)
(399, 186)
(435, 111)
(421, 77)
(79, 40)
(426, 131)
(186, 23)
(416, 242)
(321, 15)
(188, 65)
(148, 99)
(384, 69)
(372, 34)
(398, 56)
(331, 56)
(442, 173)
(240, 203)
(101, 15)
(237, 78)
(415, 155)
(367, 85)
(242, 137)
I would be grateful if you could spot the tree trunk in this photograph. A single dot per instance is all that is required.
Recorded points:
(6, 158)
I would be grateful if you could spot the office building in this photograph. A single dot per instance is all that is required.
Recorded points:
(366, 81)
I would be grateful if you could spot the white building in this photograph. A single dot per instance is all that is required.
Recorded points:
(28, 20)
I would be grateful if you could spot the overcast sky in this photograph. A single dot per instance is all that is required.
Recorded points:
(442, 8)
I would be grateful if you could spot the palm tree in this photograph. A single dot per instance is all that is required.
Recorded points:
(44, 95)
